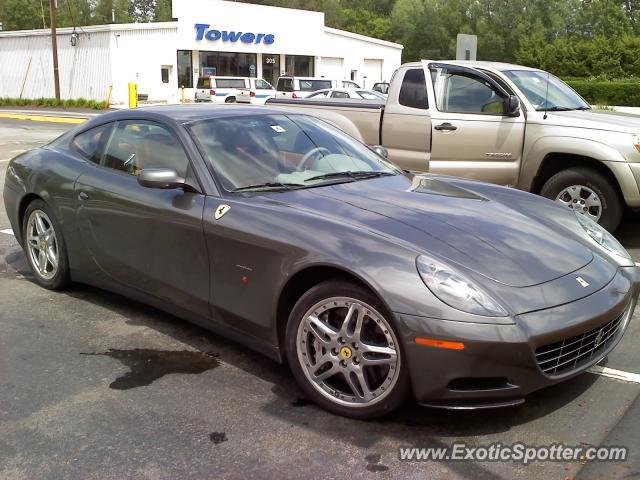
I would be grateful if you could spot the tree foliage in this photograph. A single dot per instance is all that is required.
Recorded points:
(569, 37)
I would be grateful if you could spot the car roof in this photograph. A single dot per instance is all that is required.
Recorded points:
(187, 113)
(500, 66)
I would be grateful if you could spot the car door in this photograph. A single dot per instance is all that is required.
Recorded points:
(471, 134)
(145, 239)
(406, 124)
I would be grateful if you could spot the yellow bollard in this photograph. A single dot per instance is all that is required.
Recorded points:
(133, 95)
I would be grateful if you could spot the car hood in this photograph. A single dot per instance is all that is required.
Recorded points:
(598, 120)
(435, 216)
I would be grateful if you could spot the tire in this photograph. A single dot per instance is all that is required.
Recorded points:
(387, 384)
(230, 100)
(612, 206)
(53, 277)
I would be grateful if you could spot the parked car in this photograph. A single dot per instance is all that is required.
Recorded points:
(284, 233)
(506, 124)
(300, 87)
(233, 90)
(357, 93)
(381, 87)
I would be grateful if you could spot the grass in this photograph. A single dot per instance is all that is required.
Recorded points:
(52, 102)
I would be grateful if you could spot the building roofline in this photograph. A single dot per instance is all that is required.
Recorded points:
(365, 38)
(111, 27)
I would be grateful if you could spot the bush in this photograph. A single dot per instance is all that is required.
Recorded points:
(53, 102)
(602, 92)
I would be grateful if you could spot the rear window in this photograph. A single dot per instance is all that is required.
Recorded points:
(313, 85)
(230, 83)
(285, 85)
(204, 82)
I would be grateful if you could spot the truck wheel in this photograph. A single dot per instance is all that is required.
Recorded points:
(588, 192)
(230, 100)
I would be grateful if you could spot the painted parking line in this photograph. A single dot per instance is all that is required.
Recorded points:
(617, 374)
(43, 118)
(8, 231)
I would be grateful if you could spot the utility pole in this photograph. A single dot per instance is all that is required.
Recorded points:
(54, 46)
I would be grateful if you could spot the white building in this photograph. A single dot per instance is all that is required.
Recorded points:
(206, 37)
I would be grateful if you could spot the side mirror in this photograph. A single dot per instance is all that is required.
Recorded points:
(512, 106)
(380, 150)
(160, 178)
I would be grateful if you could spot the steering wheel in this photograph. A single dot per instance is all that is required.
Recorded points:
(313, 154)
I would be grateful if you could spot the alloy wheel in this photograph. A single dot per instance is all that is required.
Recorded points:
(42, 245)
(583, 200)
(348, 352)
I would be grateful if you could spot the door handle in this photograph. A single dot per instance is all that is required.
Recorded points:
(82, 196)
(446, 127)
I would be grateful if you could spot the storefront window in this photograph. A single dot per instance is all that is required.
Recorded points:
(299, 65)
(228, 64)
(185, 69)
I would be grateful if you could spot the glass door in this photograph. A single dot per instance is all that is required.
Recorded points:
(271, 68)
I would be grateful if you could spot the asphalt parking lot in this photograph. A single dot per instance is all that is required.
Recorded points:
(96, 386)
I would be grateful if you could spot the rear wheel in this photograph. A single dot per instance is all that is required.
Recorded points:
(45, 247)
(587, 192)
(230, 100)
(344, 353)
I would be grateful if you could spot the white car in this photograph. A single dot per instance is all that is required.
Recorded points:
(300, 87)
(233, 90)
(357, 93)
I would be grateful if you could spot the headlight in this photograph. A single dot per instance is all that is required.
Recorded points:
(455, 290)
(601, 236)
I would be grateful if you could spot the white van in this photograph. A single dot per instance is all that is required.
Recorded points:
(233, 90)
(300, 87)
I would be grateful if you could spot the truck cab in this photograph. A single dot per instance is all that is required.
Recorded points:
(508, 124)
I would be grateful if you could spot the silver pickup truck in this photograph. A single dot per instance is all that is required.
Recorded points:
(500, 123)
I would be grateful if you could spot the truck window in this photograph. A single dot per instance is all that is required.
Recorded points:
(204, 82)
(413, 92)
(230, 83)
(285, 85)
(463, 92)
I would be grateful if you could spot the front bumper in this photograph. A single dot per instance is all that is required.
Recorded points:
(498, 365)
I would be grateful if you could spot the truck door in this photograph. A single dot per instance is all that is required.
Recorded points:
(472, 136)
(406, 124)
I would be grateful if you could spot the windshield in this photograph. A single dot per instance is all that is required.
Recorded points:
(370, 95)
(258, 151)
(534, 85)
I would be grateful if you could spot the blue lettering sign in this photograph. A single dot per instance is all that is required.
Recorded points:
(203, 32)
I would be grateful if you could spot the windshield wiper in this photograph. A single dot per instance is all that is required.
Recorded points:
(349, 174)
(269, 186)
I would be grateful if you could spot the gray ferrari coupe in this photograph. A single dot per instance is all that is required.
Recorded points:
(281, 232)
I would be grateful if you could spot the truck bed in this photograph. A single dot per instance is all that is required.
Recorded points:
(365, 114)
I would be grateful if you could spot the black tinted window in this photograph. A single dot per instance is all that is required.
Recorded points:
(136, 145)
(413, 92)
(285, 85)
(89, 143)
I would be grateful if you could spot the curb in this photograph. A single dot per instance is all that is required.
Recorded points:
(43, 118)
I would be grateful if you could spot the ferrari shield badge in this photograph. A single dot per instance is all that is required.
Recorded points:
(220, 211)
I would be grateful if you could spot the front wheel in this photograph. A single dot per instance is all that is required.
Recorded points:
(45, 247)
(588, 192)
(344, 353)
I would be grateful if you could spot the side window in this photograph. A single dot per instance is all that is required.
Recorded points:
(339, 95)
(89, 144)
(462, 92)
(285, 85)
(413, 91)
(263, 85)
(135, 145)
